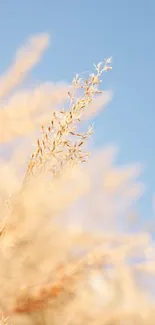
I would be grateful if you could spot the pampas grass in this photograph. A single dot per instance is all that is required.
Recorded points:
(53, 272)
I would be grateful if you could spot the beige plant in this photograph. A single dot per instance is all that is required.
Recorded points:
(51, 273)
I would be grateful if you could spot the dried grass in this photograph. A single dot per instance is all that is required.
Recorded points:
(53, 273)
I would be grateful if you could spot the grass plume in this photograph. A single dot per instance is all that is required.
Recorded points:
(53, 272)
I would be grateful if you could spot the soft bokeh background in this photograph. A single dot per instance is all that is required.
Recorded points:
(83, 32)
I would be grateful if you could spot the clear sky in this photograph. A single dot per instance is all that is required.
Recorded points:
(84, 32)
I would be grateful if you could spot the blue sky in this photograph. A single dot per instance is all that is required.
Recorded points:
(84, 32)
